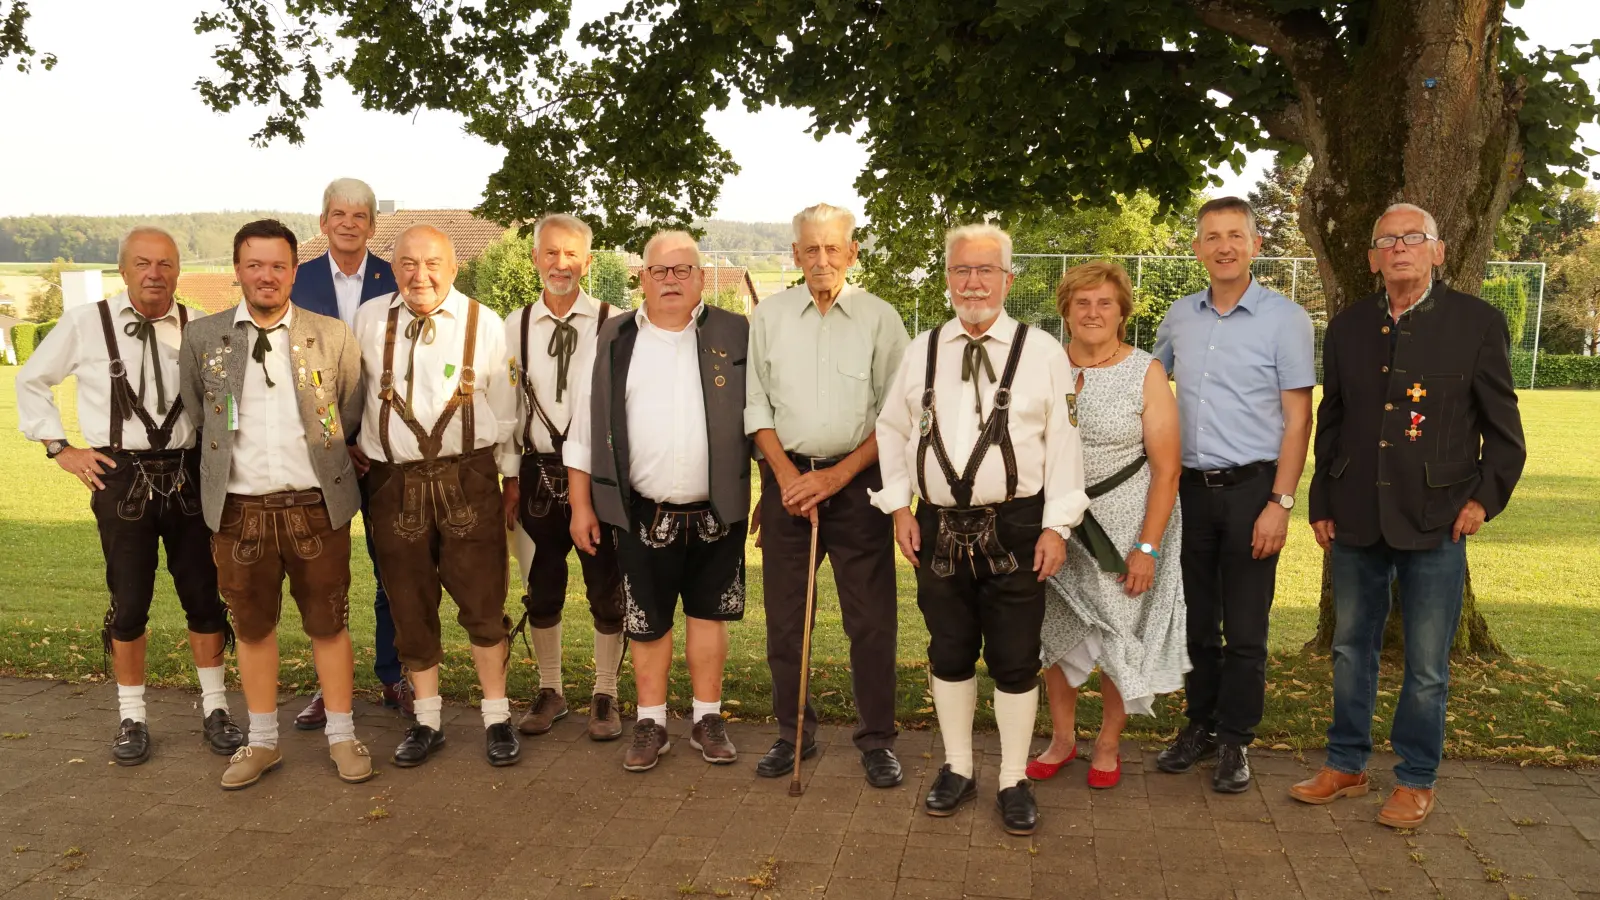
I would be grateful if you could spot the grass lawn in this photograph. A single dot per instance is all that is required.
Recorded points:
(1534, 569)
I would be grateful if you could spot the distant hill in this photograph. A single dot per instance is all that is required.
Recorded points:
(93, 239)
(725, 235)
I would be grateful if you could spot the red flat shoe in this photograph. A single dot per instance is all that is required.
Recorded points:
(1104, 780)
(1043, 771)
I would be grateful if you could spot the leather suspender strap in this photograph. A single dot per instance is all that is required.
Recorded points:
(386, 383)
(928, 426)
(557, 437)
(995, 430)
(430, 443)
(465, 386)
(124, 401)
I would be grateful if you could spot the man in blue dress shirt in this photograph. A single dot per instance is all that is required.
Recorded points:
(336, 284)
(1244, 360)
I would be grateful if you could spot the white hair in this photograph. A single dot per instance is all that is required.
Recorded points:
(571, 223)
(671, 238)
(349, 190)
(141, 231)
(1427, 218)
(981, 231)
(825, 214)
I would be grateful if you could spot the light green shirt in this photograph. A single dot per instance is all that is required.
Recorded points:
(820, 380)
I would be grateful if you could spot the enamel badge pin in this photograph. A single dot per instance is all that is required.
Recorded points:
(1415, 431)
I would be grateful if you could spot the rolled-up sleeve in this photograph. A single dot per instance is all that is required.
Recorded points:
(894, 430)
(52, 361)
(1064, 498)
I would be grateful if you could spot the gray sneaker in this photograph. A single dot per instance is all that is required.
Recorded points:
(649, 742)
(710, 737)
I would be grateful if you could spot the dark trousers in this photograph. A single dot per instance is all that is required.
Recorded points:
(547, 521)
(386, 661)
(975, 611)
(859, 540)
(1229, 597)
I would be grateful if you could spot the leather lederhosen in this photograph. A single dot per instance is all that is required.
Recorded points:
(550, 486)
(156, 473)
(964, 529)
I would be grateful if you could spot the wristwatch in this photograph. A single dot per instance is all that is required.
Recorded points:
(1148, 550)
(1284, 500)
(52, 449)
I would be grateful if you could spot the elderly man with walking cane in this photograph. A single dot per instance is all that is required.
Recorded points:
(821, 356)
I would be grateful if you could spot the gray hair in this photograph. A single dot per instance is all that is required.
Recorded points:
(825, 214)
(671, 237)
(1427, 218)
(349, 190)
(1227, 204)
(980, 231)
(142, 231)
(571, 223)
(423, 228)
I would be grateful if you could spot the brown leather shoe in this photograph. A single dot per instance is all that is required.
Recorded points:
(352, 760)
(400, 696)
(649, 742)
(248, 765)
(314, 716)
(605, 722)
(1329, 785)
(710, 737)
(1406, 807)
(548, 708)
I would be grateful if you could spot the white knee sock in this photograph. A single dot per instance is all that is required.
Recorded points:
(130, 701)
(656, 713)
(427, 710)
(495, 711)
(341, 727)
(955, 703)
(547, 650)
(1014, 715)
(607, 661)
(703, 708)
(264, 730)
(213, 689)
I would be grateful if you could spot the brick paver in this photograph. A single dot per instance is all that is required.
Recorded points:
(569, 823)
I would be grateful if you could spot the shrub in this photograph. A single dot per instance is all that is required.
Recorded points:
(25, 335)
(1557, 370)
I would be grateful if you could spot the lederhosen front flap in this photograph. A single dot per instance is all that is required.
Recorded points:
(550, 485)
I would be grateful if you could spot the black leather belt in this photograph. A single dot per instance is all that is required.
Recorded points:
(813, 463)
(1221, 478)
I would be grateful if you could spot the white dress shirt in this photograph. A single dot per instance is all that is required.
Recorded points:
(269, 447)
(1049, 454)
(435, 379)
(77, 346)
(540, 368)
(668, 460)
(347, 289)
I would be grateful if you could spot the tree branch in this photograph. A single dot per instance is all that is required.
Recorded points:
(1303, 39)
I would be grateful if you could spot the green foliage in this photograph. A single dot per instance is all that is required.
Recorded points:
(1509, 294)
(14, 39)
(1556, 370)
(721, 234)
(1276, 199)
(47, 300)
(609, 281)
(1555, 228)
(1573, 307)
(93, 239)
(503, 278)
(25, 337)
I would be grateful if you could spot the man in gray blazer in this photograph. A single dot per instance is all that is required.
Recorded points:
(276, 388)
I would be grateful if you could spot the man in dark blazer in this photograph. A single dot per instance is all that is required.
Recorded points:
(335, 284)
(1418, 443)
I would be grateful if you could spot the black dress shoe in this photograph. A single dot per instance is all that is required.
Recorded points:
(132, 745)
(1019, 812)
(502, 745)
(419, 742)
(222, 735)
(1233, 770)
(779, 761)
(1194, 743)
(883, 770)
(949, 791)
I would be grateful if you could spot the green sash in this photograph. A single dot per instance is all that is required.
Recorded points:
(1092, 536)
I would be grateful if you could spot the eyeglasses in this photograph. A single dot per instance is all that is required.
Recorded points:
(1411, 240)
(659, 273)
(984, 273)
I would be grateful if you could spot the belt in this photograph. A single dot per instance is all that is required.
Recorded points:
(143, 454)
(282, 499)
(697, 506)
(813, 463)
(1221, 478)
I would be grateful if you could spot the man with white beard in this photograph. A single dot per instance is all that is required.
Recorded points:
(983, 383)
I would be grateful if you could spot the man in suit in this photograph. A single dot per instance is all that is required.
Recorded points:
(335, 284)
(1419, 442)
(275, 388)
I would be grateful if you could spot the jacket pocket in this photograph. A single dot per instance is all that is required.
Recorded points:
(1339, 465)
(1450, 485)
(1444, 474)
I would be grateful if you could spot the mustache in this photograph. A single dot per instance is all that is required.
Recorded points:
(973, 294)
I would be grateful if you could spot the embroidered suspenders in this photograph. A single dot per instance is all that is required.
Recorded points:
(429, 443)
(992, 431)
(124, 400)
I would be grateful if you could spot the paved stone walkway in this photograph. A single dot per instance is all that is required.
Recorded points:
(570, 823)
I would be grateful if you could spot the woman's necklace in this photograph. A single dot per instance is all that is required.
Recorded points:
(1095, 365)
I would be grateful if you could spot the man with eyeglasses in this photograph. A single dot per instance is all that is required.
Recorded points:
(657, 452)
(1243, 358)
(821, 356)
(976, 425)
(1419, 442)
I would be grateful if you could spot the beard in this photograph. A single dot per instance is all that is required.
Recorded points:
(973, 313)
(571, 285)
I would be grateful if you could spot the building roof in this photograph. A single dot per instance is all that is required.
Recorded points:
(470, 234)
(211, 291)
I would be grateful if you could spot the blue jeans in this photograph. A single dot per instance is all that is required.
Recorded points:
(1430, 584)
(386, 662)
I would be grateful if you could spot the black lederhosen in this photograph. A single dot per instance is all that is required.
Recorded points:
(678, 550)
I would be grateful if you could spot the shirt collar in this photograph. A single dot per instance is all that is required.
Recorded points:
(241, 313)
(1247, 300)
(1000, 332)
(361, 271)
(122, 303)
(694, 317)
(583, 306)
(841, 302)
(453, 305)
(1427, 294)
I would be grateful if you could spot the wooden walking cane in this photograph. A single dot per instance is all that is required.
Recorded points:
(795, 788)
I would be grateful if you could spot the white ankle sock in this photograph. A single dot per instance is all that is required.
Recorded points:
(547, 650)
(1014, 716)
(341, 727)
(213, 689)
(130, 701)
(427, 710)
(657, 713)
(703, 708)
(264, 730)
(607, 662)
(495, 711)
(955, 703)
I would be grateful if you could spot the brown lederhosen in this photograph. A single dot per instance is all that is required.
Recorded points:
(545, 515)
(437, 521)
(151, 497)
(286, 533)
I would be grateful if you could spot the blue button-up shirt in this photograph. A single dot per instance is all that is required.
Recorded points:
(1231, 369)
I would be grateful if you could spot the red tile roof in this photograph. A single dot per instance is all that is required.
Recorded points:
(467, 232)
(211, 291)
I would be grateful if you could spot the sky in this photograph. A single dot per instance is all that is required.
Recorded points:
(117, 128)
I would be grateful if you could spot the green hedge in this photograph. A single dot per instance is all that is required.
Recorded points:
(25, 336)
(1556, 370)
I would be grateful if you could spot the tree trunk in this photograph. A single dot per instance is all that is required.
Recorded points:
(1420, 115)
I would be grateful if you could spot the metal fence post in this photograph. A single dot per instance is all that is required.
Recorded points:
(1538, 320)
(1294, 280)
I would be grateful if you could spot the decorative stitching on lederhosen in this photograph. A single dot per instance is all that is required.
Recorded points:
(965, 530)
(431, 481)
(551, 488)
(160, 478)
